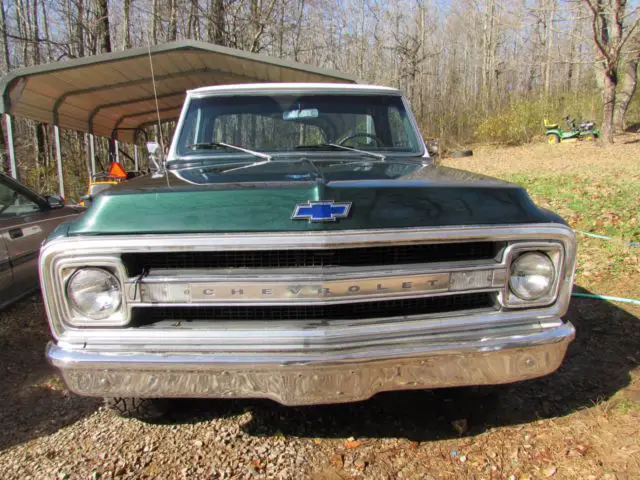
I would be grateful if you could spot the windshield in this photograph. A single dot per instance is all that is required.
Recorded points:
(290, 123)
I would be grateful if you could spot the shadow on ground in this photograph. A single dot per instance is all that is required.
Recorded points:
(633, 128)
(33, 400)
(598, 364)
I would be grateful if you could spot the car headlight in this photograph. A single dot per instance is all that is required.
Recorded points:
(94, 292)
(532, 276)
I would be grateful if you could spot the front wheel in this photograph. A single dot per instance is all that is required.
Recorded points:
(589, 137)
(146, 409)
(553, 139)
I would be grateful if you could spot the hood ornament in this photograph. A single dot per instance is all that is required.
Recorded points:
(324, 211)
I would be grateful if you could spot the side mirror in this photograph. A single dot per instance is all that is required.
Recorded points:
(54, 201)
(153, 148)
(155, 157)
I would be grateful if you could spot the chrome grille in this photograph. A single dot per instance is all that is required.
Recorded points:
(320, 312)
(135, 263)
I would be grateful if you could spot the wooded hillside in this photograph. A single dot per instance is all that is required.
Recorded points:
(474, 70)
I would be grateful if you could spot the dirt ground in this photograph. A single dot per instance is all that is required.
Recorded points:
(582, 422)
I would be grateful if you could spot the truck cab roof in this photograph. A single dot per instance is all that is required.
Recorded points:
(262, 88)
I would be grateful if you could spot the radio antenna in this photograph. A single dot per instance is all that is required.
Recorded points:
(155, 97)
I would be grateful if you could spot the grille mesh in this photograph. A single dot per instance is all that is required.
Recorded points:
(343, 257)
(348, 311)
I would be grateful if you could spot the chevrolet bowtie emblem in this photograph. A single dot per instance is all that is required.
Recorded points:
(326, 211)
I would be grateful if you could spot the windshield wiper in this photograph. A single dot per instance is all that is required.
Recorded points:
(266, 158)
(319, 146)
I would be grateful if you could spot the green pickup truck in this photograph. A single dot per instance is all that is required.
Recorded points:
(298, 243)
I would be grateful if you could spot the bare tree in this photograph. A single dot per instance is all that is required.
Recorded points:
(628, 83)
(216, 22)
(5, 40)
(103, 32)
(172, 32)
(609, 37)
(126, 20)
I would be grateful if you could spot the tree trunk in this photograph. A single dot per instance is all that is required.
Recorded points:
(5, 43)
(126, 31)
(103, 29)
(193, 24)
(41, 148)
(80, 28)
(609, 101)
(23, 31)
(172, 33)
(36, 34)
(625, 94)
(154, 22)
(216, 22)
(256, 26)
(47, 36)
(549, 44)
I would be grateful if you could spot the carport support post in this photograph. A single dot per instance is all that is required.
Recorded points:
(92, 149)
(59, 160)
(135, 157)
(12, 152)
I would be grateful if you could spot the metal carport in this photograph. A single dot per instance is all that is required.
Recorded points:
(112, 94)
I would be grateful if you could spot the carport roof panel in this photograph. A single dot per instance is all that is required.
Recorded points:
(104, 92)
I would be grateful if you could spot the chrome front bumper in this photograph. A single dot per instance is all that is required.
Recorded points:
(496, 356)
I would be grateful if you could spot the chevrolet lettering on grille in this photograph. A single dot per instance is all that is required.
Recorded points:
(438, 282)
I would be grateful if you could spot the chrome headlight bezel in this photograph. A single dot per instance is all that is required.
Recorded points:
(555, 253)
(69, 315)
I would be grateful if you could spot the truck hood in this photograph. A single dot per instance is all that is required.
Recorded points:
(390, 194)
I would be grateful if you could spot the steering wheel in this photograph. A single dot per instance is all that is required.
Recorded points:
(361, 134)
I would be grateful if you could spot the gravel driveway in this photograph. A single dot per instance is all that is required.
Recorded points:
(538, 429)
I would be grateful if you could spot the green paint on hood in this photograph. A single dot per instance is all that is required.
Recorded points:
(264, 202)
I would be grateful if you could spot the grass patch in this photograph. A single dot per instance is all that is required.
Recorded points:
(625, 405)
(607, 206)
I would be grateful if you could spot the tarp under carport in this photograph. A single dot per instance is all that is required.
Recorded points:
(112, 94)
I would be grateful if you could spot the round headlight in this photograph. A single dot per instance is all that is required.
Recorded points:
(94, 292)
(532, 276)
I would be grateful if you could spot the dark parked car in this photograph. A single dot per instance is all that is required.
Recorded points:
(26, 219)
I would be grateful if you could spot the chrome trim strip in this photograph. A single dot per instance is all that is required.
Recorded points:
(308, 289)
(255, 337)
(306, 301)
(117, 244)
(488, 358)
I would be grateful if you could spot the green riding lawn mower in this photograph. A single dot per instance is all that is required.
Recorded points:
(574, 133)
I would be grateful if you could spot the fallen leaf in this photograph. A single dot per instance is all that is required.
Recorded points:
(350, 443)
(549, 471)
(582, 448)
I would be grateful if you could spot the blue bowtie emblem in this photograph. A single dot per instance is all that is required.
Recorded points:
(326, 211)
